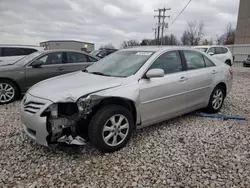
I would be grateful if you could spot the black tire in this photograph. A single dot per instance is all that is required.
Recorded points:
(16, 91)
(98, 121)
(210, 108)
(228, 62)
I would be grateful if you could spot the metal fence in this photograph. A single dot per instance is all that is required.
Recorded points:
(240, 51)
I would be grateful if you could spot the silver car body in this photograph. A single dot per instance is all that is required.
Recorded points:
(155, 100)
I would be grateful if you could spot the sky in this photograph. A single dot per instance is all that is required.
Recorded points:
(106, 21)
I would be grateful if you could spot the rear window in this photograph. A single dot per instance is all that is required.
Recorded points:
(27, 51)
(219, 50)
(10, 51)
(225, 50)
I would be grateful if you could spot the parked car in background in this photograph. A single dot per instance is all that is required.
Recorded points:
(129, 89)
(246, 62)
(222, 53)
(101, 53)
(16, 79)
(9, 54)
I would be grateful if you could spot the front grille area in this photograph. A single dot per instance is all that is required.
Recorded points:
(32, 107)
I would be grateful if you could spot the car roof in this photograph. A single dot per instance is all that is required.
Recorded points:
(68, 50)
(209, 46)
(20, 46)
(156, 48)
(64, 50)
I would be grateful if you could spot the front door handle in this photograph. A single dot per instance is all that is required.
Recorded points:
(183, 79)
(60, 69)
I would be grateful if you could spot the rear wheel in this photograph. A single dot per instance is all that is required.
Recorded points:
(111, 128)
(216, 99)
(8, 91)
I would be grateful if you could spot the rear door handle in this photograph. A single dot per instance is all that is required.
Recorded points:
(183, 79)
(214, 72)
(59, 69)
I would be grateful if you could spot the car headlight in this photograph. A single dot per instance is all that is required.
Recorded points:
(84, 104)
(54, 110)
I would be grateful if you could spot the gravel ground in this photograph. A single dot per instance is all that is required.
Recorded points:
(184, 152)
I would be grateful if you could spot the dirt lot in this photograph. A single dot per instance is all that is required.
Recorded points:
(184, 152)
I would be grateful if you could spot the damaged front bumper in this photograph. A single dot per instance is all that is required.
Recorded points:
(34, 124)
(45, 123)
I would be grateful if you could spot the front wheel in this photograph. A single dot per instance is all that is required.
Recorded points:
(8, 91)
(216, 100)
(111, 128)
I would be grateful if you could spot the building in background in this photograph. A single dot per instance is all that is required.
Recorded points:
(243, 24)
(68, 44)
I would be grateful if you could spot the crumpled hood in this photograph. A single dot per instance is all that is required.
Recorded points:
(70, 87)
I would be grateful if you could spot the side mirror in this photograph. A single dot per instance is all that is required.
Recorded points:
(155, 73)
(100, 56)
(211, 53)
(37, 63)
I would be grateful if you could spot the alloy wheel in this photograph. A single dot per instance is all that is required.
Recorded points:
(115, 130)
(217, 99)
(7, 92)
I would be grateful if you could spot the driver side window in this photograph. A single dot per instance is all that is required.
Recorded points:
(52, 58)
(170, 62)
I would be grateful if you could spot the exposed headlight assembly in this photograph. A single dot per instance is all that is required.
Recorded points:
(84, 105)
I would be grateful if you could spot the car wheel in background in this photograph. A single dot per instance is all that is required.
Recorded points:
(111, 128)
(8, 91)
(216, 99)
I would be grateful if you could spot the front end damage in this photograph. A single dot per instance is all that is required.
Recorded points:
(68, 121)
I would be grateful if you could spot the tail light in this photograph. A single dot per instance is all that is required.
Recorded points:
(231, 70)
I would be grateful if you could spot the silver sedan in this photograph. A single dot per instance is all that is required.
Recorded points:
(129, 89)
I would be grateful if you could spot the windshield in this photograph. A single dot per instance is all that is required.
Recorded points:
(95, 52)
(121, 63)
(202, 49)
(28, 58)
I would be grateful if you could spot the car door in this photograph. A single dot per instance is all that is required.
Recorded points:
(77, 61)
(164, 97)
(199, 79)
(52, 66)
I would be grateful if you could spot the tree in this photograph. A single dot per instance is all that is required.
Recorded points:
(129, 43)
(170, 40)
(145, 42)
(227, 37)
(107, 46)
(207, 42)
(184, 38)
(193, 34)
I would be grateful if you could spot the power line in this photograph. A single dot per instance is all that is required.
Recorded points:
(179, 14)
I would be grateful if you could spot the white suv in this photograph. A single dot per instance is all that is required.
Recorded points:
(221, 53)
(11, 53)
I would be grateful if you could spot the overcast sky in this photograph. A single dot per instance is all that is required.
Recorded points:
(105, 21)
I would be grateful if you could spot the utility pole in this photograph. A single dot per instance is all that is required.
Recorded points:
(158, 26)
(159, 16)
(163, 24)
(155, 32)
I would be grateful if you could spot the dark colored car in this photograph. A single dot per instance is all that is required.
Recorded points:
(17, 78)
(246, 62)
(103, 52)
